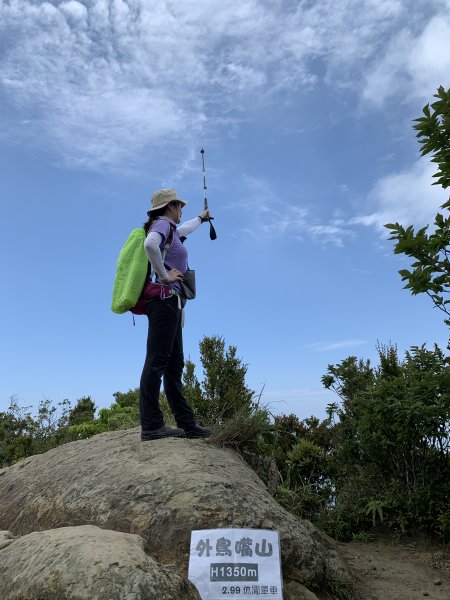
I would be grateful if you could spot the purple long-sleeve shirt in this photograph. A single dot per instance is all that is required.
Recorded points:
(177, 255)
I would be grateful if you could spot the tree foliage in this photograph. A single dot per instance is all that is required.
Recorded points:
(16, 426)
(430, 271)
(223, 390)
(381, 459)
(392, 438)
(23, 435)
(82, 412)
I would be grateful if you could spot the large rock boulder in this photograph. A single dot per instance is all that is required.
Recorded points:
(160, 490)
(86, 563)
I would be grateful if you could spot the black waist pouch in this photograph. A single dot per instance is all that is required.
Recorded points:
(188, 284)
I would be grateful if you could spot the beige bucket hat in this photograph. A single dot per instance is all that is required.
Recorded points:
(163, 197)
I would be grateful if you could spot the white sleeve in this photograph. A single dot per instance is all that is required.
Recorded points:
(189, 226)
(151, 246)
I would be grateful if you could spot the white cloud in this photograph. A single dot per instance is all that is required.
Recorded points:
(429, 61)
(407, 197)
(75, 10)
(293, 216)
(412, 65)
(108, 82)
(335, 233)
(327, 346)
(274, 215)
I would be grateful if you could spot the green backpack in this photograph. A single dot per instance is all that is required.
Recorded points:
(132, 268)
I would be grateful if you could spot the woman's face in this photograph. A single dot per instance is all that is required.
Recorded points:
(175, 211)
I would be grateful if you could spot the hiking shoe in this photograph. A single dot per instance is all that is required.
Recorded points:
(162, 432)
(198, 432)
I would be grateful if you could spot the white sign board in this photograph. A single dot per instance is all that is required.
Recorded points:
(236, 564)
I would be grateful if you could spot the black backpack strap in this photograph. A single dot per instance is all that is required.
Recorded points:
(171, 234)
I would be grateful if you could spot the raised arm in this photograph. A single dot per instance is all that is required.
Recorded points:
(189, 226)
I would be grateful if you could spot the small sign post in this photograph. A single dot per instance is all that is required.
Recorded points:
(236, 564)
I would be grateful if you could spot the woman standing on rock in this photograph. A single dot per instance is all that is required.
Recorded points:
(165, 357)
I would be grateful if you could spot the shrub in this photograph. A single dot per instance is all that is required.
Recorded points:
(392, 438)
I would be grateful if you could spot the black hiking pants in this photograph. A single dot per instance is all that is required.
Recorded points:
(165, 360)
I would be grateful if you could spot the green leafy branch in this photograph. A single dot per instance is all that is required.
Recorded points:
(430, 271)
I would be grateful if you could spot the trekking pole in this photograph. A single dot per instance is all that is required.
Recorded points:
(212, 231)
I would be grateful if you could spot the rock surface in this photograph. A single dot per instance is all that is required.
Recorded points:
(296, 591)
(6, 538)
(160, 490)
(86, 563)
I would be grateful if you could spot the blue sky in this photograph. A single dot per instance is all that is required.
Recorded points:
(305, 111)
